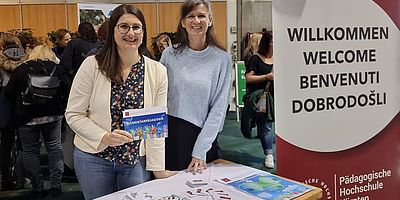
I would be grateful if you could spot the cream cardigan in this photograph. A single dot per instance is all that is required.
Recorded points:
(88, 109)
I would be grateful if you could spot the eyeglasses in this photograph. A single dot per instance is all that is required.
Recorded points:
(124, 28)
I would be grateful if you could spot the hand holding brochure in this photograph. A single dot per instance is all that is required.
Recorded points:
(146, 123)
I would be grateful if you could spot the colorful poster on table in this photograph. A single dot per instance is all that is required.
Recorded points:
(337, 95)
(269, 186)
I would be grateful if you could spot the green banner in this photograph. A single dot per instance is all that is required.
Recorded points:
(240, 70)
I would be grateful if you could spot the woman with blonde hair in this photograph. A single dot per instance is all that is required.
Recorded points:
(42, 52)
(36, 118)
(252, 46)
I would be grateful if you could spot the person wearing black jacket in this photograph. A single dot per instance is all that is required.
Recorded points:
(63, 37)
(74, 53)
(39, 119)
(77, 49)
(11, 55)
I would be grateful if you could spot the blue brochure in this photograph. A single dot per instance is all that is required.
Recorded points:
(146, 123)
(269, 186)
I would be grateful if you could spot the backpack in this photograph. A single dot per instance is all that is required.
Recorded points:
(42, 89)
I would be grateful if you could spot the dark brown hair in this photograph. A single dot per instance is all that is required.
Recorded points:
(7, 39)
(181, 34)
(108, 57)
(86, 31)
(263, 47)
(102, 33)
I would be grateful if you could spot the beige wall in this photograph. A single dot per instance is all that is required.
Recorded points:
(149, 11)
(10, 18)
(44, 18)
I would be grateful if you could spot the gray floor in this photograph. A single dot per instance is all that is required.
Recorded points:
(233, 145)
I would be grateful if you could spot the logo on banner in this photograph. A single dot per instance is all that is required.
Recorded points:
(321, 184)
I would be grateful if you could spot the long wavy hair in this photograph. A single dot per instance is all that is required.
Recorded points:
(252, 47)
(182, 38)
(108, 58)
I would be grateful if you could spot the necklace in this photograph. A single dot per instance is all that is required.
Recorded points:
(265, 59)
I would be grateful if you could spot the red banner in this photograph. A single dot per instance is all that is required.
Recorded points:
(337, 96)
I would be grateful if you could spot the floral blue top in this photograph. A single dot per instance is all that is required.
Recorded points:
(129, 95)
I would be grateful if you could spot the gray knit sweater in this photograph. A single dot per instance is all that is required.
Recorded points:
(199, 85)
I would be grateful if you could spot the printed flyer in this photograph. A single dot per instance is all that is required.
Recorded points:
(146, 123)
(269, 186)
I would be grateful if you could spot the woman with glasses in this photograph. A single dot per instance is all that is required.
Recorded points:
(199, 72)
(119, 77)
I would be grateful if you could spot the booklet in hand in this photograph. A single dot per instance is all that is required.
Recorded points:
(146, 123)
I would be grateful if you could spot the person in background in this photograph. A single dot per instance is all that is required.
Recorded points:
(258, 73)
(102, 36)
(39, 120)
(76, 50)
(74, 54)
(102, 33)
(247, 122)
(252, 47)
(119, 77)
(12, 54)
(27, 42)
(63, 37)
(162, 42)
(200, 77)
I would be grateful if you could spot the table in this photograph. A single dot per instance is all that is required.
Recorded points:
(214, 176)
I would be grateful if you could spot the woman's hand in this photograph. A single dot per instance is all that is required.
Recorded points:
(116, 138)
(269, 76)
(252, 78)
(164, 174)
(196, 166)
